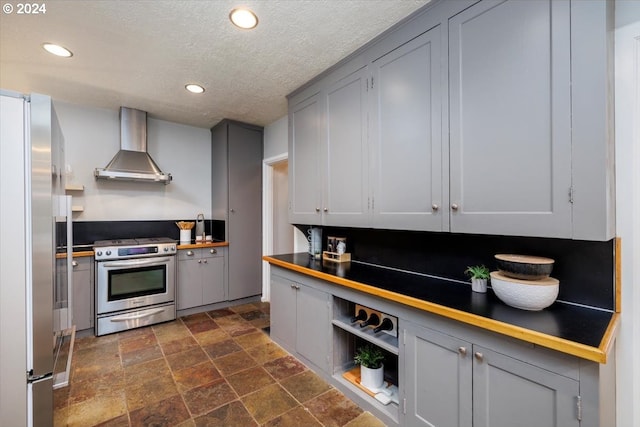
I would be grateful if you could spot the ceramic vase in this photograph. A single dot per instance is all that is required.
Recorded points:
(479, 285)
(371, 378)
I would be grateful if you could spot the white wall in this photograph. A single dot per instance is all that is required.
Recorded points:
(92, 138)
(275, 138)
(627, 131)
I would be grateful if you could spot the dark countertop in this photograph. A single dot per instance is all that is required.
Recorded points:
(577, 330)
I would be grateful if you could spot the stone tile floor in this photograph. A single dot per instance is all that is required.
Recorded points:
(209, 369)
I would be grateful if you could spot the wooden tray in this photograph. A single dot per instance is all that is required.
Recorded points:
(336, 257)
(353, 376)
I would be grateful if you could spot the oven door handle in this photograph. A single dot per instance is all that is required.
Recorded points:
(136, 263)
(146, 313)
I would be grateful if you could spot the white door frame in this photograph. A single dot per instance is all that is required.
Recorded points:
(267, 219)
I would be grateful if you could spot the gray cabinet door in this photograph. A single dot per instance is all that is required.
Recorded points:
(212, 278)
(245, 210)
(510, 118)
(511, 393)
(82, 293)
(189, 286)
(346, 187)
(438, 379)
(313, 326)
(406, 135)
(283, 312)
(305, 148)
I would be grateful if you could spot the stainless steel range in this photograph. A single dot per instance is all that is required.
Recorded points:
(135, 283)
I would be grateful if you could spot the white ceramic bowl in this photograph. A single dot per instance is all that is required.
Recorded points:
(531, 295)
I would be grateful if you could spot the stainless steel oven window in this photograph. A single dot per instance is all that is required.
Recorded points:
(136, 282)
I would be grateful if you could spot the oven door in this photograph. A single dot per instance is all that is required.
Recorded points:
(134, 283)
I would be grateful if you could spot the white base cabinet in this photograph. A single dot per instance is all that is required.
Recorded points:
(200, 277)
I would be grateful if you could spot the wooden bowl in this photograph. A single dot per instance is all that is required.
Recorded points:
(524, 267)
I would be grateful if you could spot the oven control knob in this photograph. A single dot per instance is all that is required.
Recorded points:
(108, 253)
(166, 249)
(99, 253)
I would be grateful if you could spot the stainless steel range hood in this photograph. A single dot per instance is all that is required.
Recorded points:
(132, 162)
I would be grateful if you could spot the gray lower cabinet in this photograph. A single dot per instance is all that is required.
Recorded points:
(438, 388)
(300, 320)
(465, 384)
(200, 277)
(450, 374)
(237, 199)
(83, 284)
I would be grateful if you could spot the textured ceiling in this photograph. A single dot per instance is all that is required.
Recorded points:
(141, 53)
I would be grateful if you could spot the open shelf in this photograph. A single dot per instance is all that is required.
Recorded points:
(381, 339)
(390, 409)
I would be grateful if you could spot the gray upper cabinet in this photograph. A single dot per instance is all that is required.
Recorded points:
(237, 199)
(346, 192)
(510, 118)
(406, 134)
(489, 117)
(328, 147)
(305, 145)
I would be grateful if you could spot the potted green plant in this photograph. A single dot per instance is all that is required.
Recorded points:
(370, 358)
(479, 275)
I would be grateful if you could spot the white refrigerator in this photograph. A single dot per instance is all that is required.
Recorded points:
(32, 203)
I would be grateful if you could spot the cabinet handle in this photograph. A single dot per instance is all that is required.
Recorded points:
(199, 261)
(317, 209)
(74, 263)
(326, 209)
(205, 261)
(293, 286)
(213, 251)
(435, 207)
(479, 356)
(233, 210)
(189, 253)
(462, 350)
(454, 207)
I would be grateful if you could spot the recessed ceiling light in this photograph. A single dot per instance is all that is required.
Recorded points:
(57, 50)
(194, 88)
(243, 18)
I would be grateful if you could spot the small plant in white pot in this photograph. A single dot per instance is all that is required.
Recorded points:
(479, 276)
(370, 358)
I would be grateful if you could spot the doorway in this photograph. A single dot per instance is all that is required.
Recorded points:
(278, 234)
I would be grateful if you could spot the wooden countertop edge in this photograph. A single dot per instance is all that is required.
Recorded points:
(595, 354)
(202, 245)
(75, 254)
(189, 246)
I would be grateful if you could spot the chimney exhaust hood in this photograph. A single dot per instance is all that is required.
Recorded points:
(132, 162)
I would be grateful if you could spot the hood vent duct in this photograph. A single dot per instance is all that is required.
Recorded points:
(132, 162)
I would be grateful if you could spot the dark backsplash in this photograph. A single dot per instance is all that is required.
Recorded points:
(585, 269)
(87, 232)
